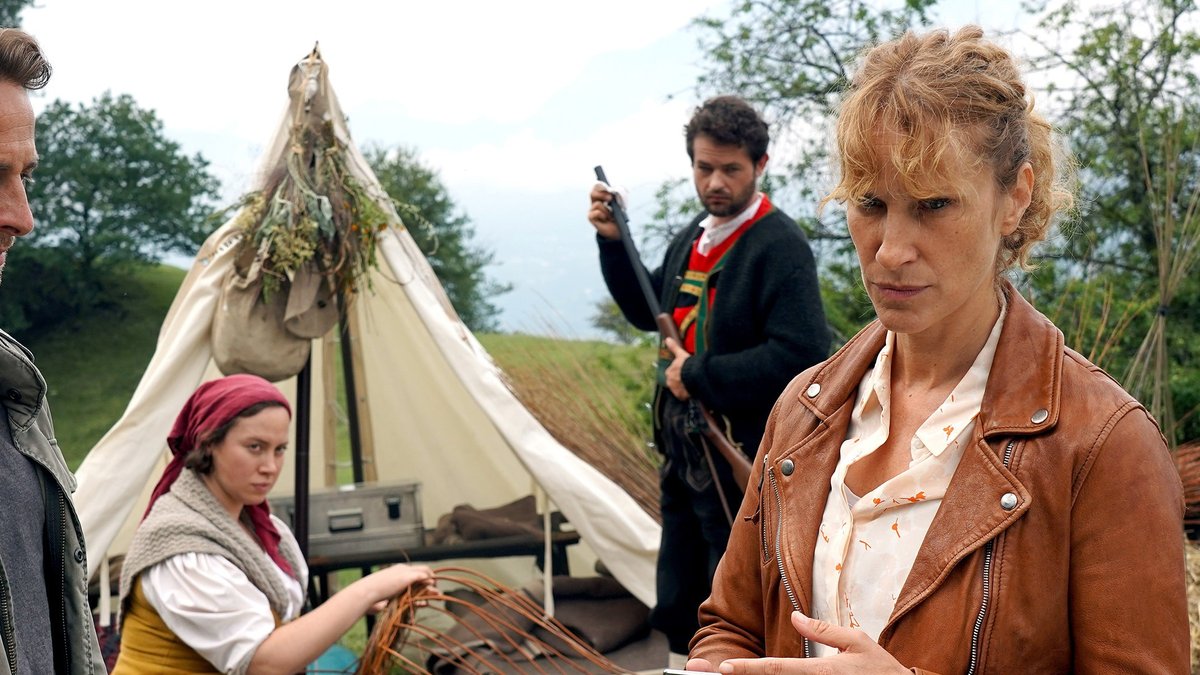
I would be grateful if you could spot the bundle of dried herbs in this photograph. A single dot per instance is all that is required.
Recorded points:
(313, 211)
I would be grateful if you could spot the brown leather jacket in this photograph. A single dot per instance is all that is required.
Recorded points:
(1083, 571)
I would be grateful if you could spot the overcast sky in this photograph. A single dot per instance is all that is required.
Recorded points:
(512, 102)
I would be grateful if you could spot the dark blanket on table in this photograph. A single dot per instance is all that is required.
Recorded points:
(467, 523)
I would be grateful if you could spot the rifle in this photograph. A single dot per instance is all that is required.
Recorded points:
(667, 329)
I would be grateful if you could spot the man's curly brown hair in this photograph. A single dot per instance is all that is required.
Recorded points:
(728, 120)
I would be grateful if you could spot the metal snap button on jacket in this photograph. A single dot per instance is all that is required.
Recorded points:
(787, 466)
(1008, 501)
(1040, 415)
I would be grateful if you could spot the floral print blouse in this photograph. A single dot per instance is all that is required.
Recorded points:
(867, 544)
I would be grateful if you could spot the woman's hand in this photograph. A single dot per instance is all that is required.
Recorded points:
(289, 647)
(857, 653)
(389, 582)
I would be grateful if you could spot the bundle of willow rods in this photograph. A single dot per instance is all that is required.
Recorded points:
(396, 629)
(577, 395)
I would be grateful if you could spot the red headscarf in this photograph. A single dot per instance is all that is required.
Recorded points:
(211, 405)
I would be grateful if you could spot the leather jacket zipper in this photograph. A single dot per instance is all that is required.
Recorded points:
(762, 524)
(988, 550)
(787, 585)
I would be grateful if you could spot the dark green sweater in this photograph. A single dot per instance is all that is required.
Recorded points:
(765, 326)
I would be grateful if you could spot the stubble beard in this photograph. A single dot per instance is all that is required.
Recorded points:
(735, 205)
(6, 243)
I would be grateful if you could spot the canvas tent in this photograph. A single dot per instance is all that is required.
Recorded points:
(439, 409)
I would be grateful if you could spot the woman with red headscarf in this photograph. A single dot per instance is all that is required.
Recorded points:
(213, 583)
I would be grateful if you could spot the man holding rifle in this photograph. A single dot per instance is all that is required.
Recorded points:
(737, 302)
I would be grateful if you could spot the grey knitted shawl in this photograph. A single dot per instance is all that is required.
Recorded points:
(189, 519)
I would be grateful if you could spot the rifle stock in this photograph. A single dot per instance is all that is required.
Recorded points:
(712, 429)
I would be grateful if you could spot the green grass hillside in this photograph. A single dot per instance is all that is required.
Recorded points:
(92, 363)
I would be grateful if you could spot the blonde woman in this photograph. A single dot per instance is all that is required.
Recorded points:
(954, 491)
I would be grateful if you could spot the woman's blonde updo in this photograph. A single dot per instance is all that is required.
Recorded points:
(938, 89)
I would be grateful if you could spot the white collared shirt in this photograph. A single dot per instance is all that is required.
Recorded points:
(714, 233)
(867, 544)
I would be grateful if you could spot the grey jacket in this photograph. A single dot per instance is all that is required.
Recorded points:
(23, 394)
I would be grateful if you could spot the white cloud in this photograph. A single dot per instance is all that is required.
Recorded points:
(220, 65)
(639, 150)
(216, 74)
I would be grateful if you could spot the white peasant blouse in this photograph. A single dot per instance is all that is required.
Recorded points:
(212, 606)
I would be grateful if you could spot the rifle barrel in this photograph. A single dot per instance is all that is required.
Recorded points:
(631, 252)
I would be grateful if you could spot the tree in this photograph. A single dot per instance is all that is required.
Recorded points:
(112, 189)
(10, 12)
(1114, 71)
(792, 58)
(111, 192)
(608, 318)
(675, 205)
(442, 232)
(1125, 92)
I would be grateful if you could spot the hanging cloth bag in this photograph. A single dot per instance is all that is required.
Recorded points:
(248, 333)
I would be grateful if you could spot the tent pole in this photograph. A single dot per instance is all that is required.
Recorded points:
(366, 432)
(356, 457)
(303, 407)
(329, 383)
